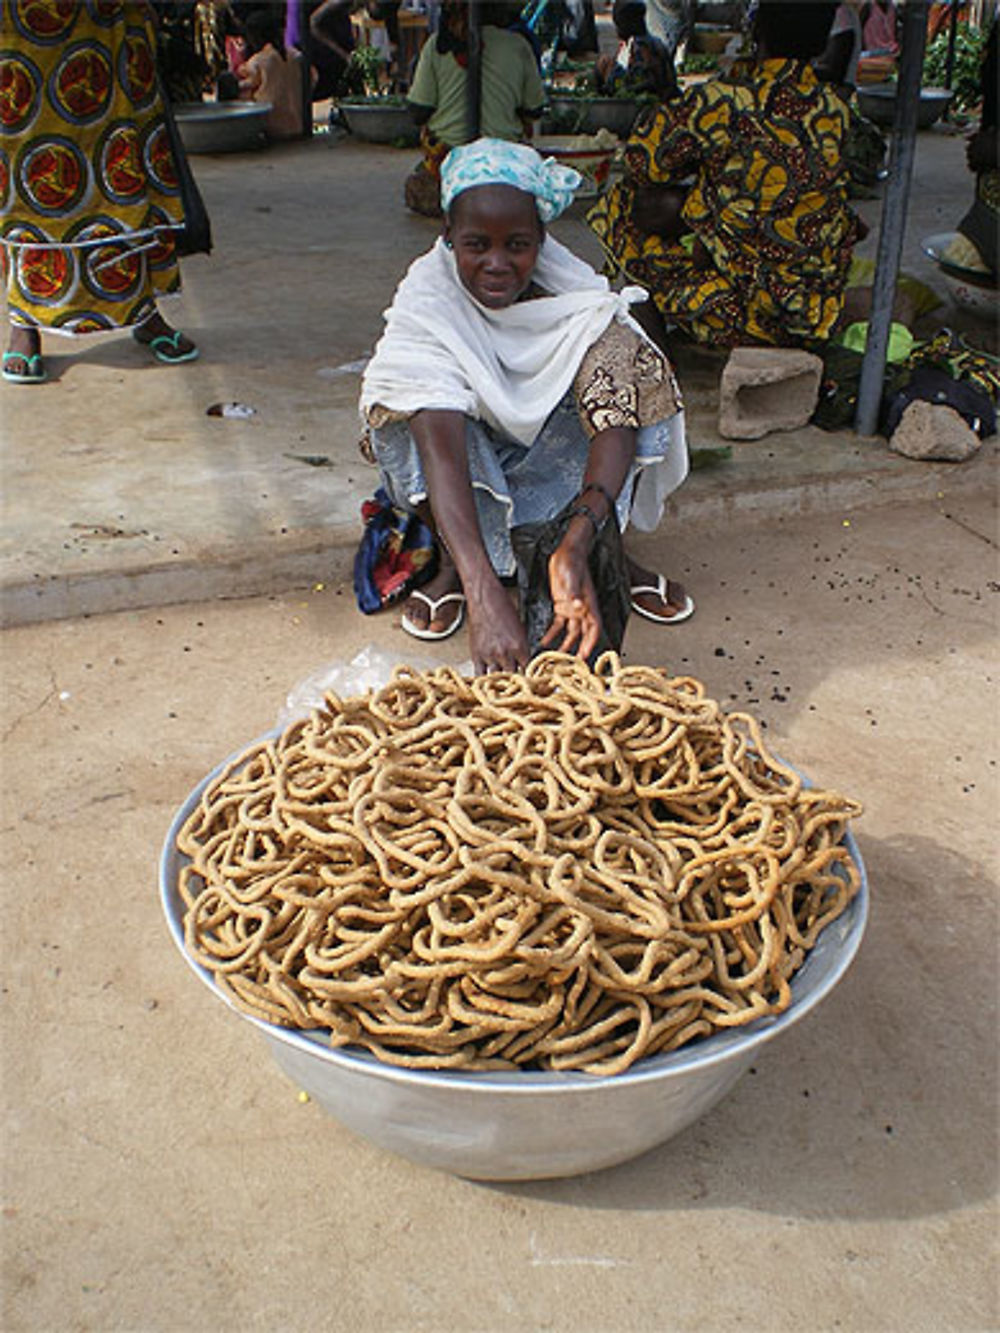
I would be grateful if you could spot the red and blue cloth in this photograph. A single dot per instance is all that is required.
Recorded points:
(397, 552)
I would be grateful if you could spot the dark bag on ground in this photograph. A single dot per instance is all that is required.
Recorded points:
(195, 238)
(534, 543)
(941, 370)
(840, 383)
(931, 384)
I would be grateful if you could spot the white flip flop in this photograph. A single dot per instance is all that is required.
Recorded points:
(433, 607)
(659, 589)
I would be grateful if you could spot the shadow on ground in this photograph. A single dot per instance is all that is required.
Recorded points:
(844, 1118)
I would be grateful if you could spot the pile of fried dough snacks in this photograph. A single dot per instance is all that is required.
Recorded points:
(560, 868)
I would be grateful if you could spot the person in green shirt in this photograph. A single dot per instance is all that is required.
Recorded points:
(511, 95)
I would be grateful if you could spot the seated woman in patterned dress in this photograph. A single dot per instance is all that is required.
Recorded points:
(511, 94)
(733, 210)
(509, 380)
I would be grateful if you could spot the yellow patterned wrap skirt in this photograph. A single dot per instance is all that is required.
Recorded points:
(89, 193)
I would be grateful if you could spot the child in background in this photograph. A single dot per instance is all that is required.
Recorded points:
(273, 74)
(839, 61)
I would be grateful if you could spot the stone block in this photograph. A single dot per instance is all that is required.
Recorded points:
(764, 389)
(934, 431)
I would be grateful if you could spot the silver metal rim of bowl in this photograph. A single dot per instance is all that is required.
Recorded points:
(213, 113)
(935, 246)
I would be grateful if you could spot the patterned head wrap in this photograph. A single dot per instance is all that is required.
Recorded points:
(498, 162)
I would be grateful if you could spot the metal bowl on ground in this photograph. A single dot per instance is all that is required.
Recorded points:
(222, 127)
(589, 115)
(380, 122)
(969, 288)
(877, 101)
(526, 1124)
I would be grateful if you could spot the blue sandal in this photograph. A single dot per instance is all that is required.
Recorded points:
(34, 368)
(166, 347)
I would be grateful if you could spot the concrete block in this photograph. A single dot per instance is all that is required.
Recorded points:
(764, 389)
(934, 431)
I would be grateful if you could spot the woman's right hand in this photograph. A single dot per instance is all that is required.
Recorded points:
(497, 638)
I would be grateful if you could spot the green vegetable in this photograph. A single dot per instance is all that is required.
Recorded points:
(709, 457)
(698, 62)
(969, 45)
(365, 62)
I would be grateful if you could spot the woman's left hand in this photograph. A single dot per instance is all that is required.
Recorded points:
(576, 617)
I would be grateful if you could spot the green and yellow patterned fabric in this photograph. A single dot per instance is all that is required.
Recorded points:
(769, 232)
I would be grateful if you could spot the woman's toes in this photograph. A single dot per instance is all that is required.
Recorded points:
(416, 610)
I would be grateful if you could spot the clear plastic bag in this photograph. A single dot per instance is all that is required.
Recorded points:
(370, 669)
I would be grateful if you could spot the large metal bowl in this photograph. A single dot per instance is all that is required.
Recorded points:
(222, 127)
(381, 122)
(527, 1125)
(877, 101)
(710, 39)
(590, 115)
(969, 288)
(585, 153)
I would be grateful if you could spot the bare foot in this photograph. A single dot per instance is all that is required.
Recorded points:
(418, 610)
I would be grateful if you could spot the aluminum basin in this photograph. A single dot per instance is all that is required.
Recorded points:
(877, 101)
(527, 1125)
(222, 127)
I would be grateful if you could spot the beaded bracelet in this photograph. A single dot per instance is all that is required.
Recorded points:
(587, 512)
(596, 486)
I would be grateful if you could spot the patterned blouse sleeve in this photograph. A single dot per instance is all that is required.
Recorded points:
(624, 381)
(663, 145)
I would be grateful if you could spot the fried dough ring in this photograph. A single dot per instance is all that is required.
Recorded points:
(559, 869)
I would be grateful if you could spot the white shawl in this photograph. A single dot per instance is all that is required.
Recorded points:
(442, 349)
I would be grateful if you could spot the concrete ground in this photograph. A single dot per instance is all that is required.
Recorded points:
(159, 1172)
(124, 493)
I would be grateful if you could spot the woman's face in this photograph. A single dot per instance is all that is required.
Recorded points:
(495, 233)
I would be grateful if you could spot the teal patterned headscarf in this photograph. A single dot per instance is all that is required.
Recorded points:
(499, 162)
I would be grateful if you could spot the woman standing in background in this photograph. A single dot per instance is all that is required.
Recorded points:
(91, 202)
